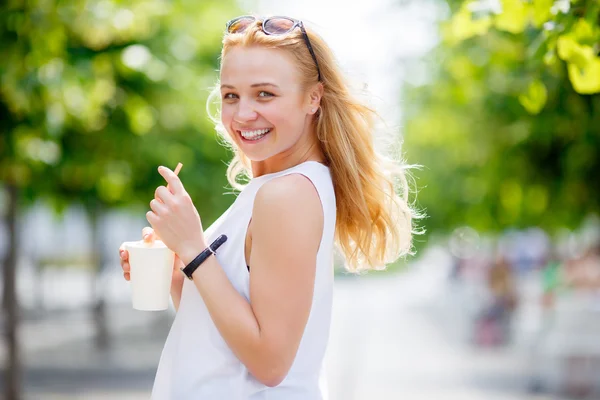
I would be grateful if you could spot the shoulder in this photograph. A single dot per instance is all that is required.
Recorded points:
(287, 187)
(289, 194)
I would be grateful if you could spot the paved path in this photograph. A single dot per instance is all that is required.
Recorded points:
(391, 338)
(388, 343)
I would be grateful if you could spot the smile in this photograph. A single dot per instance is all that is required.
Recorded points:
(254, 135)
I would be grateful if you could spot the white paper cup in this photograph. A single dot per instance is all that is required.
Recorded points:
(151, 273)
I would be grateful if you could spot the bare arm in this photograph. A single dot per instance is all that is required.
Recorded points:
(264, 334)
(177, 284)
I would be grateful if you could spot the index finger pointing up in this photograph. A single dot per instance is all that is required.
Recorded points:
(173, 180)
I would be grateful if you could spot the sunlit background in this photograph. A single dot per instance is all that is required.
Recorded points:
(497, 100)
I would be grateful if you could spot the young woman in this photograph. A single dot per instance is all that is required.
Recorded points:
(253, 320)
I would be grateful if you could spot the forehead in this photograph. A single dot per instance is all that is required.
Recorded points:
(247, 65)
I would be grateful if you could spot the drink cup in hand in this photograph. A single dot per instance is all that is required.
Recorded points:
(149, 265)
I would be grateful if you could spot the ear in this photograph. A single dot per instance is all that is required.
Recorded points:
(314, 98)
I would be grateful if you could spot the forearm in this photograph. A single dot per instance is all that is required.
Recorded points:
(176, 289)
(233, 316)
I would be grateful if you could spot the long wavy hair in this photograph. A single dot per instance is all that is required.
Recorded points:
(374, 221)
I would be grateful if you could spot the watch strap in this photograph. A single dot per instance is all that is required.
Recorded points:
(189, 269)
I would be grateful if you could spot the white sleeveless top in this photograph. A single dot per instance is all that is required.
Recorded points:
(197, 364)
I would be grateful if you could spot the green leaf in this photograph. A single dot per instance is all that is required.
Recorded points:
(582, 31)
(535, 98)
(586, 79)
(514, 17)
(573, 52)
(463, 26)
(541, 12)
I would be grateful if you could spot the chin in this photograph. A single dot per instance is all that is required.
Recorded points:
(256, 156)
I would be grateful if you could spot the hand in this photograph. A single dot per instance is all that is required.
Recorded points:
(149, 236)
(175, 218)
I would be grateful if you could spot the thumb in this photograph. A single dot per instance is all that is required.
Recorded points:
(149, 236)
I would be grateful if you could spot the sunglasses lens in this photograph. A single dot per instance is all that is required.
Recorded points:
(240, 25)
(278, 26)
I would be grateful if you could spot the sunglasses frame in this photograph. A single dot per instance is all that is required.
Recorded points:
(296, 24)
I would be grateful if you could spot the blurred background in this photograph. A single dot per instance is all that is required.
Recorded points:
(497, 100)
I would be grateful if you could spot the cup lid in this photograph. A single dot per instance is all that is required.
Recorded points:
(140, 244)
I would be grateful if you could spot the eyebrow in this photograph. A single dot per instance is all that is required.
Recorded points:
(253, 85)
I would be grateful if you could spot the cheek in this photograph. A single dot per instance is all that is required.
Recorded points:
(226, 120)
(226, 115)
(284, 116)
(293, 121)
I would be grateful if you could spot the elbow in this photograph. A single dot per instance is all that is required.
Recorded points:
(272, 362)
(273, 381)
(270, 375)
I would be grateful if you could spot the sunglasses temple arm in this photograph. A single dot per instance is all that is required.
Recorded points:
(310, 49)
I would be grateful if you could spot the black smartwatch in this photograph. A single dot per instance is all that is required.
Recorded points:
(189, 269)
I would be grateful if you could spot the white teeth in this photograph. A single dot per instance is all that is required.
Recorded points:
(255, 135)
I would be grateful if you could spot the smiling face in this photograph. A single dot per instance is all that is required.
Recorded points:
(265, 109)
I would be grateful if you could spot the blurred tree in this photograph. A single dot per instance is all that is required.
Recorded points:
(94, 95)
(507, 121)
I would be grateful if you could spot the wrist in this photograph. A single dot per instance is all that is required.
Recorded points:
(206, 266)
(202, 256)
(190, 252)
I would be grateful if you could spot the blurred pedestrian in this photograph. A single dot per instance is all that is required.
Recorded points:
(494, 323)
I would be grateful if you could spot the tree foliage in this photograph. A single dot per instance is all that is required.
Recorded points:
(507, 124)
(95, 95)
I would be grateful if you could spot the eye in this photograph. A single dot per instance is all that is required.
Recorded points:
(229, 96)
(262, 93)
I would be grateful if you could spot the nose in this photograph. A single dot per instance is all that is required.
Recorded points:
(245, 112)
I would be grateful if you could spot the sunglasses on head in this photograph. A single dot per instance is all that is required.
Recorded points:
(273, 26)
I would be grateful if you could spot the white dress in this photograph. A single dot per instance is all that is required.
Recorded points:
(197, 364)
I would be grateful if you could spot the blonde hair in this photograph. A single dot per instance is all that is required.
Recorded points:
(374, 221)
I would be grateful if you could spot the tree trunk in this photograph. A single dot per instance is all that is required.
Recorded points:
(102, 337)
(12, 377)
